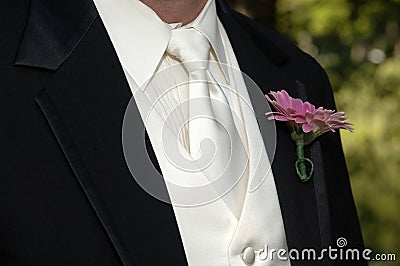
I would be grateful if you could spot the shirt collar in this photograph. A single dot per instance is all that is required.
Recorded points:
(140, 37)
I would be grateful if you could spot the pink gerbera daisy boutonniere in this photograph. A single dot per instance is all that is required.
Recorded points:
(305, 122)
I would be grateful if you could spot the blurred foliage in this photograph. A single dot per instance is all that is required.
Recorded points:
(358, 43)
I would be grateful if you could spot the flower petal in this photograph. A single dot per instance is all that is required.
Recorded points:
(306, 127)
(305, 115)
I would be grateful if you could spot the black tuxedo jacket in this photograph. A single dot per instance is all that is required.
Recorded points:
(66, 194)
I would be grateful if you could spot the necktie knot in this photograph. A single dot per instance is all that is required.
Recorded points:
(191, 47)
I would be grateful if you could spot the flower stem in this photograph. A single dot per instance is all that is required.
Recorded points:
(300, 164)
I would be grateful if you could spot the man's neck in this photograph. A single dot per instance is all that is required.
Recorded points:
(173, 11)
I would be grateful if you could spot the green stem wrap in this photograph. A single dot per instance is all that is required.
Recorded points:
(300, 164)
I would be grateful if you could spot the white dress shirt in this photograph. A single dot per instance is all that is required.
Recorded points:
(213, 232)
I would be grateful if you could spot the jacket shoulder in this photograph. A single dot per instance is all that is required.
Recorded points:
(299, 65)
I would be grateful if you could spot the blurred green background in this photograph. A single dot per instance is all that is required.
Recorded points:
(358, 44)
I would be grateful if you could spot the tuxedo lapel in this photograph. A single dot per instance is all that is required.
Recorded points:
(52, 31)
(83, 176)
(84, 103)
(297, 200)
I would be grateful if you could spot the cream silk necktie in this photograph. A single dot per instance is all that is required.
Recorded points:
(214, 141)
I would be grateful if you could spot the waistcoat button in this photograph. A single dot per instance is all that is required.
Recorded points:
(248, 256)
